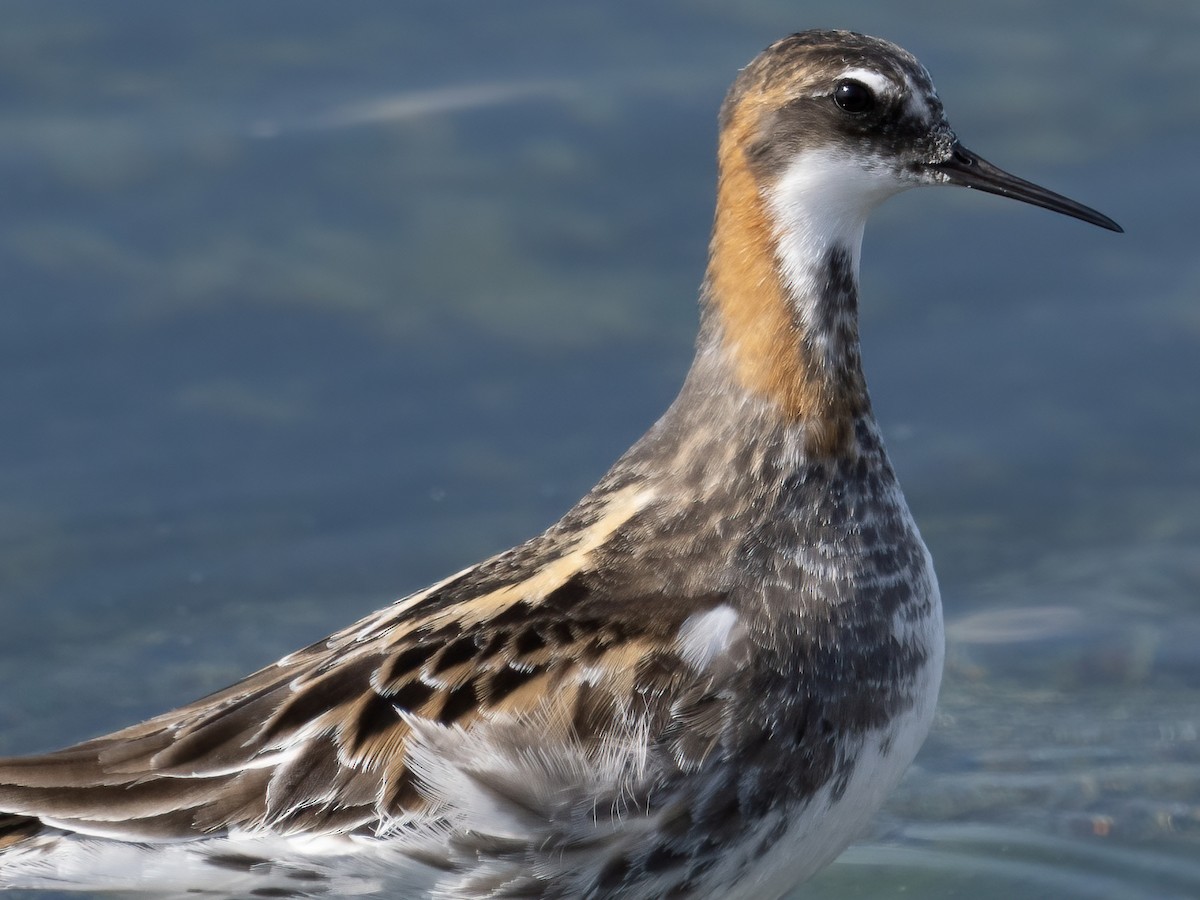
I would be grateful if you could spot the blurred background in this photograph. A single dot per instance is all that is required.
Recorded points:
(304, 305)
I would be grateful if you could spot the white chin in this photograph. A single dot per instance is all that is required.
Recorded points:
(822, 200)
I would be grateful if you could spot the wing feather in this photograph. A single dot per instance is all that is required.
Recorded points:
(321, 741)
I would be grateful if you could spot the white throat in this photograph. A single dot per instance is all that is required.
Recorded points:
(822, 201)
(820, 207)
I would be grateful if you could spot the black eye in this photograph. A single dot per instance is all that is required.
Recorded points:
(853, 96)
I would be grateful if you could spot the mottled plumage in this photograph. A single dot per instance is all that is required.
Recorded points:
(701, 682)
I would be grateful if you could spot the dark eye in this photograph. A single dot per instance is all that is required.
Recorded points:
(853, 96)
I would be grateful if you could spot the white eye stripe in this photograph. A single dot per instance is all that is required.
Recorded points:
(880, 84)
(916, 103)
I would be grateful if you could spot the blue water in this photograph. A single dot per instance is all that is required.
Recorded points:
(305, 305)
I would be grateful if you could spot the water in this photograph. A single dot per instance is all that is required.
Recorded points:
(303, 311)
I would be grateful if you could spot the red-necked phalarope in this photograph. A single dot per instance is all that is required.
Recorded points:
(701, 683)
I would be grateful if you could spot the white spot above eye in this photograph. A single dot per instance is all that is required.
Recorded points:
(705, 636)
(880, 84)
(916, 100)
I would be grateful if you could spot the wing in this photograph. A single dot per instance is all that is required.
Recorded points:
(559, 637)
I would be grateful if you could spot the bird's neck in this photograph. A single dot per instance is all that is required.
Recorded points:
(780, 298)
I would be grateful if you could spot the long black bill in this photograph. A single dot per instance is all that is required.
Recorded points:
(973, 171)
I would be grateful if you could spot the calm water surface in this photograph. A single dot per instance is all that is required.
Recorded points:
(301, 311)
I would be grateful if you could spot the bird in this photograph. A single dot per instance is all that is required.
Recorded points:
(701, 682)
